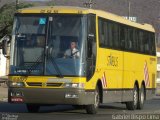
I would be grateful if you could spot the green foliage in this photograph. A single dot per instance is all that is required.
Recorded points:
(51, 3)
(24, 5)
(6, 18)
(7, 12)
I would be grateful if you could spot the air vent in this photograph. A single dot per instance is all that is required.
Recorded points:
(39, 84)
(54, 84)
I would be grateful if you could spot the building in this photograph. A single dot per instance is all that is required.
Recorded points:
(158, 71)
(3, 64)
(158, 65)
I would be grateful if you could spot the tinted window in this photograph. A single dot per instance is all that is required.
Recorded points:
(146, 42)
(108, 34)
(141, 41)
(115, 35)
(101, 33)
(131, 41)
(152, 44)
(118, 36)
(123, 36)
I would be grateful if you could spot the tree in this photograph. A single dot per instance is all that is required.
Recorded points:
(51, 3)
(7, 12)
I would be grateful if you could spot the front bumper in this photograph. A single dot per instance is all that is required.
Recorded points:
(51, 96)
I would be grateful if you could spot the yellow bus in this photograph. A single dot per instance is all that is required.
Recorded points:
(114, 59)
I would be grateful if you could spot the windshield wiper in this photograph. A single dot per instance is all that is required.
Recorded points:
(56, 66)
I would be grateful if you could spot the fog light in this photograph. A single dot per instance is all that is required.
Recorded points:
(15, 84)
(69, 95)
(74, 85)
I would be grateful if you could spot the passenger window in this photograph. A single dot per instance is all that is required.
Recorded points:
(152, 44)
(146, 42)
(141, 43)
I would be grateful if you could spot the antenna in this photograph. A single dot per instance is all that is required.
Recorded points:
(89, 4)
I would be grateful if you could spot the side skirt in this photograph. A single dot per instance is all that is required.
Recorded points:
(123, 95)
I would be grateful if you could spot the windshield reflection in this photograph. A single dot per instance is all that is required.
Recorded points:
(49, 45)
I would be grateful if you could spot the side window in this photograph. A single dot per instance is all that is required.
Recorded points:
(91, 35)
(101, 32)
(152, 45)
(92, 25)
(141, 43)
(110, 34)
(123, 36)
(146, 42)
(116, 35)
(91, 46)
(106, 30)
(136, 37)
(129, 42)
(134, 41)
(119, 36)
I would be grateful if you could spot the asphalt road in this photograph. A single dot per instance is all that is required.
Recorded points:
(112, 111)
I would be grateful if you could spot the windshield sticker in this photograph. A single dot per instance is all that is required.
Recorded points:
(42, 21)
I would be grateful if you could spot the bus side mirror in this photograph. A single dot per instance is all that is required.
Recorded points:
(4, 44)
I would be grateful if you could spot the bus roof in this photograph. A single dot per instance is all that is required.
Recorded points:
(80, 10)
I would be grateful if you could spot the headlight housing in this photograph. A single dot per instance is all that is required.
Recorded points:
(15, 84)
(73, 85)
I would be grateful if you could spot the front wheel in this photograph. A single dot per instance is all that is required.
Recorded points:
(132, 105)
(92, 109)
(33, 108)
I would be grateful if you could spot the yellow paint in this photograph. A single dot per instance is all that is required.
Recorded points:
(79, 10)
(125, 67)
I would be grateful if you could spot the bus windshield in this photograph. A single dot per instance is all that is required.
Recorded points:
(48, 45)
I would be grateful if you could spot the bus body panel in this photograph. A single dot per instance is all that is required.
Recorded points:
(116, 70)
(51, 96)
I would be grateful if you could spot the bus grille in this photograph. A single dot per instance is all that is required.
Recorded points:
(54, 84)
(39, 84)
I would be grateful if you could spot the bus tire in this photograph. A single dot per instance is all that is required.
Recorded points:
(132, 105)
(33, 108)
(93, 108)
(141, 98)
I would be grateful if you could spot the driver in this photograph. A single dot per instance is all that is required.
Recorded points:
(72, 51)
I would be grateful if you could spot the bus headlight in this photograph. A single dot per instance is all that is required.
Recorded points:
(16, 84)
(73, 85)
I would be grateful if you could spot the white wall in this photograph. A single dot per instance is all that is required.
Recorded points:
(158, 67)
(2, 64)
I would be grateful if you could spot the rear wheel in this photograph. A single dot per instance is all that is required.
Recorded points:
(32, 108)
(92, 109)
(132, 105)
(141, 98)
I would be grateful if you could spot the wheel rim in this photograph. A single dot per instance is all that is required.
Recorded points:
(135, 97)
(142, 96)
(96, 104)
